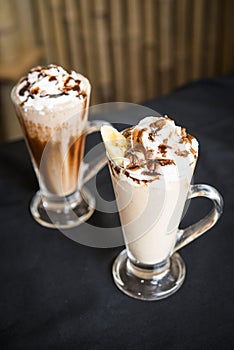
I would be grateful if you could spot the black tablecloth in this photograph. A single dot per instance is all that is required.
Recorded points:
(58, 294)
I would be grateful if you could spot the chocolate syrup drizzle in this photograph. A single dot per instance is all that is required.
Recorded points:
(43, 72)
(141, 158)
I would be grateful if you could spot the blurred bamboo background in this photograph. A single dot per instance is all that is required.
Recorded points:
(131, 50)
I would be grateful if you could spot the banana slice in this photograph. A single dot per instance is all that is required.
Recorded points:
(115, 143)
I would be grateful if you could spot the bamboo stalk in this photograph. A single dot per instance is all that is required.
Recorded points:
(182, 47)
(228, 35)
(9, 43)
(189, 37)
(150, 51)
(212, 36)
(57, 7)
(46, 30)
(90, 47)
(74, 35)
(26, 27)
(135, 64)
(117, 36)
(166, 47)
(103, 50)
(198, 39)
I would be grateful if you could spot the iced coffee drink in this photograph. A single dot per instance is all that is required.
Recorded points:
(151, 166)
(51, 106)
(151, 169)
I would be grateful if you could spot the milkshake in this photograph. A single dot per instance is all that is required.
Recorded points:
(151, 166)
(51, 104)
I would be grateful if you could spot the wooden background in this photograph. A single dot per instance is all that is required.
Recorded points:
(131, 50)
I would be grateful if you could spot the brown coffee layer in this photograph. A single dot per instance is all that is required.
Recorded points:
(58, 163)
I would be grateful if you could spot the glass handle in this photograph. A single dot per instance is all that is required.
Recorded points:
(92, 168)
(188, 234)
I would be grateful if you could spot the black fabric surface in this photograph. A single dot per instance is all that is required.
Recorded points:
(58, 294)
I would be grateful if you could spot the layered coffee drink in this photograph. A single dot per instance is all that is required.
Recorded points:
(151, 166)
(51, 104)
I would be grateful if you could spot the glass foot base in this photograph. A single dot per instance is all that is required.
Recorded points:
(148, 283)
(63, 213)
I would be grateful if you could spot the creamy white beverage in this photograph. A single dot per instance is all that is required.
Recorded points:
(151, 166)
(51, 104)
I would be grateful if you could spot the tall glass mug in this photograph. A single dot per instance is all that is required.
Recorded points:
(150, 213)
(52, 107)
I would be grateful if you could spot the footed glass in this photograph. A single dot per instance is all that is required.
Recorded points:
(150, 267)
(55, 136)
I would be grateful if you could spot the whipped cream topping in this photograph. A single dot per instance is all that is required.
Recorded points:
(157, 147)
(43, 85)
